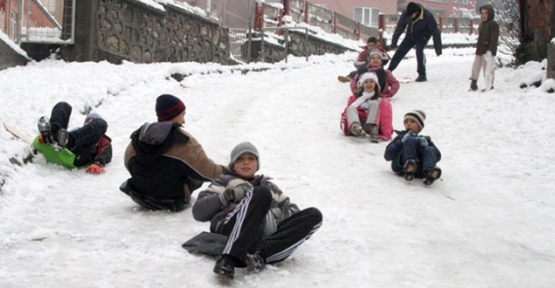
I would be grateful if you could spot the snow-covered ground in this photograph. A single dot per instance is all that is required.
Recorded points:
(489, 223)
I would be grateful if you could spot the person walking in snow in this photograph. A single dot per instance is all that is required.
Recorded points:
(363, 58)
(166, 163)
(486, 49)
(420, 26)
(361, 116)
(89, 143)
(413, 155)
(263, 226)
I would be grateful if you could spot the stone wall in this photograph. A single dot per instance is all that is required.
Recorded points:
(116, 30)
(299, 44)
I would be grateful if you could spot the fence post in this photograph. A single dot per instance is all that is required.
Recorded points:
(381, 28)
(471, 26)
(358, 30)
(306, 6)
(334, 28)
(258, 16)
(456, 24)
(286, 7)
(441, 24)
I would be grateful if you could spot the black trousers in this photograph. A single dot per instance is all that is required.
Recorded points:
(244, 227)
(83, 141)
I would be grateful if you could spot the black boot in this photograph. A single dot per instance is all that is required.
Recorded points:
(473, 85)
(431, 175)
(409, 169)
(225, 266)
(421, 78)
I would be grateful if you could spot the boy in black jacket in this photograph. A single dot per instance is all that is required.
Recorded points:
(413, 155)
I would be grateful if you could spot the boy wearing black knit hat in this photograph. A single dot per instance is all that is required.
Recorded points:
(413, 155)
(166, 163)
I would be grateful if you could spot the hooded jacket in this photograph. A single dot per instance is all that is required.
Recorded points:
(488, 35)
(421, 29)
(165, 162)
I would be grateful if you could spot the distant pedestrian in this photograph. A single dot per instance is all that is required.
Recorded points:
(486, 49)
(420, 26)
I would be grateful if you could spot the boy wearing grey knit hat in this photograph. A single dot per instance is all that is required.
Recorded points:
(413, 155)
(262, 225)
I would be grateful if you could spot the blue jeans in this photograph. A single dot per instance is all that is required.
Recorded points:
(425, 157)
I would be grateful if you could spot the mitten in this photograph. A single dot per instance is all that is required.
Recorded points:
(95, 169)
(423, 142)
(236, 193)
(409, 134)
(280, 214)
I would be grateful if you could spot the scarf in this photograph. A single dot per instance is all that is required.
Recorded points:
(365, 96)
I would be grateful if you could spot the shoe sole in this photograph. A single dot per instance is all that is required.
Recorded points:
(409, 171)
(433, 177)
(343, 79)
(223, 274)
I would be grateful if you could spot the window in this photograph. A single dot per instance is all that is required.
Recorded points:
(367, 16)
(461, 1)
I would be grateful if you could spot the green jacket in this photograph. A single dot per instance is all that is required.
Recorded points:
(488, 33)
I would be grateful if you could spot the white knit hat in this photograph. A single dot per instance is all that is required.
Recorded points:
(368, 75)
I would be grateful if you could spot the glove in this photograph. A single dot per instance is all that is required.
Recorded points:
(423, 142)
(393, 46)
(409, 134)
(95, 169)
(280, 214)
(236, 193)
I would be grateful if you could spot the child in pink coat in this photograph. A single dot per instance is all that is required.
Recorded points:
(363, 113)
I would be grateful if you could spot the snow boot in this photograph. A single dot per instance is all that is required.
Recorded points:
(357, 130)
(473, 85)
(421, 78)
(225, 266)
(409, 169)
(344, 79)
(45, 129)
(431, 175)
(255, 262)
(374, 133)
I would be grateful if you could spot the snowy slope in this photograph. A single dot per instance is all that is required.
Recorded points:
(489, 223)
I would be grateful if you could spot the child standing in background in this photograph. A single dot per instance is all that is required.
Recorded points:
(486, 49)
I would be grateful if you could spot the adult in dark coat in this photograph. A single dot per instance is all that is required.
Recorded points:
(420, 26)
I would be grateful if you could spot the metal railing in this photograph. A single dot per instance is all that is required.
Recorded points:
(46, 21)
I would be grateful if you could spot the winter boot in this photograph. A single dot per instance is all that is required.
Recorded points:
(431, 175)
(255, 262)
(45, 130)
(421, 78)
(344, 79)
(357, 130)
(62, 138)
(473, 85)
(374, 133)
(225, 266)
(409, 169)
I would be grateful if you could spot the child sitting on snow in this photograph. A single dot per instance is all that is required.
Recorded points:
(388, 83)
(363, 109)
(413, 155)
